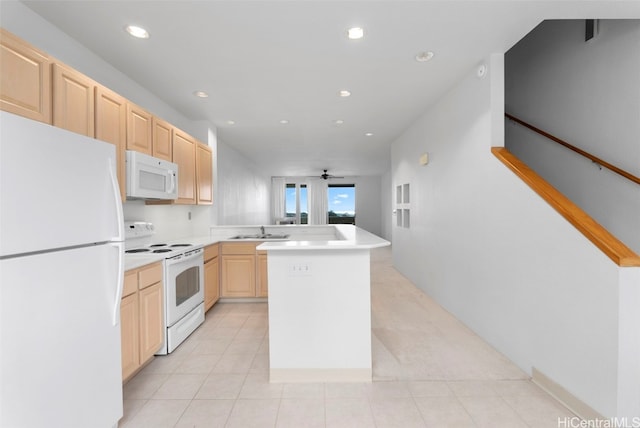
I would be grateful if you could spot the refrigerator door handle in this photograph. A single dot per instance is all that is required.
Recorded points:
(119, 247)
(116, 201)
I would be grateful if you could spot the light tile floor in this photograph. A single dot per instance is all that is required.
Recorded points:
(429, 371)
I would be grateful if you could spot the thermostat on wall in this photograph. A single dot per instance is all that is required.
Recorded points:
(424, 159)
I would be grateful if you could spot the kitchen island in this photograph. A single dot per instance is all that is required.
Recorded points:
(320, 307)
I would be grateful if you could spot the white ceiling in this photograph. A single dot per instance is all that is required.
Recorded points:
(264, 61)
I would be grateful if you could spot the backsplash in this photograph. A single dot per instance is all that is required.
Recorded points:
(171, 221)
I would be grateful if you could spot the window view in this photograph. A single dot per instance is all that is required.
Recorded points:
(296, 203)
(342, 203)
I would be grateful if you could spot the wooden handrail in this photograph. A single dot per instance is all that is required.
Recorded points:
(596, 233)
(587, 155)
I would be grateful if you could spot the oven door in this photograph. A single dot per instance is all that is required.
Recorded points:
(184, 276)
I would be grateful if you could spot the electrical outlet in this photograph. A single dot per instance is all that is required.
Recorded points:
(300, 269)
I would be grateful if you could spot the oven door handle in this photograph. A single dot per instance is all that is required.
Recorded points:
(187, 255)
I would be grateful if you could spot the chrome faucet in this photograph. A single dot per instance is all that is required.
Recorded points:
(262, 230)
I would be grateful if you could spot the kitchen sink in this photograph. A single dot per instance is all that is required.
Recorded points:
(264, 236)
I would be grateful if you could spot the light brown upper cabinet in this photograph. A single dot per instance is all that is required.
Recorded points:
(25, 79)
(204, 174)
(162, 139)
(73, 100)
(41, 88)
(139, 129)
(111, 126)
(184, 154)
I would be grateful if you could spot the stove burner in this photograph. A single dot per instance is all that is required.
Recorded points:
(158, 245)
(162, 250)
(139, 250)
(180, 245)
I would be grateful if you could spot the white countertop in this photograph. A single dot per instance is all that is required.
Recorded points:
(348, 237)
(302, 237)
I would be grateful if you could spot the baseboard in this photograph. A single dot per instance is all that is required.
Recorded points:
(242, 300)
(577, 406)
(319, 375)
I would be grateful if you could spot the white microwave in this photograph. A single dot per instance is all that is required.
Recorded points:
(150, 178)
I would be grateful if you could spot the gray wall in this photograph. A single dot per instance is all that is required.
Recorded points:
(589, 95)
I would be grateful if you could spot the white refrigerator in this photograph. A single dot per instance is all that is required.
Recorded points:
(61, 278)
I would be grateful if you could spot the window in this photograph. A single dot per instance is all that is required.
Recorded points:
(296, 202)
(342, 203)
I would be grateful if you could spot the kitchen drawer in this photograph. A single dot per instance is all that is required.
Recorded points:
(239, 247)
(130, 283)
(210, 252)
(149, 275)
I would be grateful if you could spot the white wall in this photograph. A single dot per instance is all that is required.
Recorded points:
(504, 262)
(589, 95)
(386, 205)
(368, 202)
(244, 189)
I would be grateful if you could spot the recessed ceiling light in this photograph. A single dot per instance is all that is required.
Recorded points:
(284, 121)
(230, 122)
(368, 134)
(424, 56)
(339, 122)
(201, 94)
(355, 33)
(136, 31)
(344, 93)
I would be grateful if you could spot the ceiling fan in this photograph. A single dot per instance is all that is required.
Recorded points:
(326, 176)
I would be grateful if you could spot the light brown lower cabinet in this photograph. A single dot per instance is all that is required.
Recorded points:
(130, 328)
(243, 270)
(211, 276)
(262, 286)
(151, 320)
(141, 317)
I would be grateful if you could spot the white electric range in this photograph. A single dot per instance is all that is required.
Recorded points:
(183, 280)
